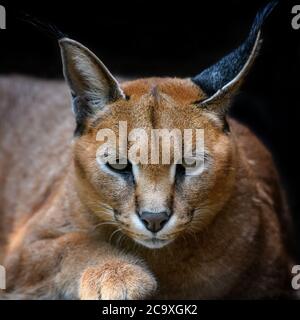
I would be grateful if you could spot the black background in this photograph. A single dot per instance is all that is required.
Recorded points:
(162, 38)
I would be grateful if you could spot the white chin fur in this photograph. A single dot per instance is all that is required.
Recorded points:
(153, 243)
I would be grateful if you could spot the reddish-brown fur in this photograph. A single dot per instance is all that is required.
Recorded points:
(51, 188)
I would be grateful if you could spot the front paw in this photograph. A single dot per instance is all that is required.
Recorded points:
(116, 280)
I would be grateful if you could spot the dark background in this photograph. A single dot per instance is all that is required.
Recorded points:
(162, 38)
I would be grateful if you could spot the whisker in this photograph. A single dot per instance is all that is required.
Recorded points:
(103, 205)
(113, 233)
(105, 223)
(120, 239)
(99, 212)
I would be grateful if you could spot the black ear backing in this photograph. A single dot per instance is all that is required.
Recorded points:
(221, 80)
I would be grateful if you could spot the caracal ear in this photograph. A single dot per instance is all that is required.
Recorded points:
(222, 80)
(92, 85)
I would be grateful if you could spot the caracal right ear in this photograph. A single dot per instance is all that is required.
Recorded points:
(92, 85)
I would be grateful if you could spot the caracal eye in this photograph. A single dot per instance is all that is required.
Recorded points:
(192, 166)
(121, 167)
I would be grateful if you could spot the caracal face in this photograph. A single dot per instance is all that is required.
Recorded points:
(155, 202)
(186, 201)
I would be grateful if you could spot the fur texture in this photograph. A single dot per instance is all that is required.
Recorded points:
(72, 228)
(59, 212)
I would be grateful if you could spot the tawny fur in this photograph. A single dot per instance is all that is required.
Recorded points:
(51, 240)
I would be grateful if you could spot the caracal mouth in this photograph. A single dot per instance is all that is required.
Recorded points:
(153, 243)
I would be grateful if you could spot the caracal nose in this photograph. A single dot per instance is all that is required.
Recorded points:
(154, 221)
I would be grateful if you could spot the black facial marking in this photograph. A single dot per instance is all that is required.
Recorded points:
(116, 214)
(226, 127)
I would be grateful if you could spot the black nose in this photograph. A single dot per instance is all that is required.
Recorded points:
(154, 221)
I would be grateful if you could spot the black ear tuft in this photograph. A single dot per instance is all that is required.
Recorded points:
(48, 28)
(228, 68)
(260, 17)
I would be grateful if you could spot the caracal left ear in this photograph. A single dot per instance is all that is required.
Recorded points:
(222, 80)
(92, 85)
